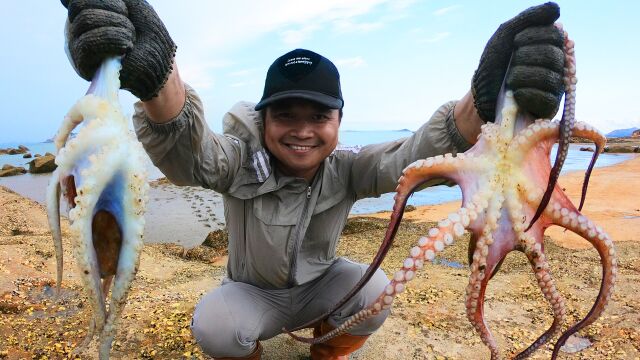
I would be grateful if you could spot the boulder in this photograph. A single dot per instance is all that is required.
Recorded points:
(42, 164)
(27, 156)
(37, 155)
(586, 148)
(9, 170)
(636, 134)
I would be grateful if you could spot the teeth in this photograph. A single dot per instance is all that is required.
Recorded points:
(296, 147)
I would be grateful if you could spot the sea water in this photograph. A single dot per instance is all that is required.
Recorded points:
(33, 185)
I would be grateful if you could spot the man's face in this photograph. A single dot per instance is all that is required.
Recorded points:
(300, 134)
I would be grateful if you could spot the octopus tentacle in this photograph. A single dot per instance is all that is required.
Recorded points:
(414, 175)
(484, 263)
(567, 217)
(53, 216)
(552, 295)
(567, 123)
(86, 201)
(425, 250)
(475, 300)
(548, 131)
(128, 262)
(588, 132)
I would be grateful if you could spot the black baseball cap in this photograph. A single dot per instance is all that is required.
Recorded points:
(302, 74)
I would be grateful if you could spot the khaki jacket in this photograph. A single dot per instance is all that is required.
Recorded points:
(283, 232)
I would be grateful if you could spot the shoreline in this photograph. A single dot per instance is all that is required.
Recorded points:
(186, 215)
(609, 203)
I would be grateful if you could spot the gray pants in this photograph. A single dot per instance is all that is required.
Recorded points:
(229, 320)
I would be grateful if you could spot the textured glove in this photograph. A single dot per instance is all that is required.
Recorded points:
(536, 66)
(97, 29)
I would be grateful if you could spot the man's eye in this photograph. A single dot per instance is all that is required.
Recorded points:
(320, 117)
(283, 115)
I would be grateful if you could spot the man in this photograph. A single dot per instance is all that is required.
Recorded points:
(287, 190)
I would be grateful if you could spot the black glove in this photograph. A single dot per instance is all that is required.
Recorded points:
(537, 65)
(97, 29)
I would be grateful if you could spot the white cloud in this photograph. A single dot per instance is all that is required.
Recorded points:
(293, 38)
(348, 26)
(218, 29)
(241, 73)
(399, 5)
(199, 74)
(445, 10)
(435, 38)
(353, 62)
(238, 84)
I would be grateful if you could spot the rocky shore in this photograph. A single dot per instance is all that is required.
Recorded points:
(622, 145)
(39, 165)
(428, 321)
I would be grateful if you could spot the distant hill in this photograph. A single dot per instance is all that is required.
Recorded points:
(50, 140)
(622, 132)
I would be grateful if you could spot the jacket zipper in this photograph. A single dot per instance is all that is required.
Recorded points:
(298, 240)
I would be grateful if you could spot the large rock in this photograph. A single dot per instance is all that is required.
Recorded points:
(27, 156)
(9, 170)
(636, 134)
(42, 164)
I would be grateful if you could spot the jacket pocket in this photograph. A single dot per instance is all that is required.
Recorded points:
(271, 210)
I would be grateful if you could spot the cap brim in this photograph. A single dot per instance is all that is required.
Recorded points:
(326, 100)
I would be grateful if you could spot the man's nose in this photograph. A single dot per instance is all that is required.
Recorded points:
(303, 129)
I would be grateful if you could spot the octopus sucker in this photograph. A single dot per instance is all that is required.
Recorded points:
(503, 178)
(101, 175)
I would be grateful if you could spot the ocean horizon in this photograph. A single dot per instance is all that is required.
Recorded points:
(33, 186)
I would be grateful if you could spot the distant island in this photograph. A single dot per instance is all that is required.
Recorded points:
(50, 140)
(622, 132)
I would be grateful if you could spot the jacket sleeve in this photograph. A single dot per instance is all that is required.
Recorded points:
(186, 150)
(377, 168)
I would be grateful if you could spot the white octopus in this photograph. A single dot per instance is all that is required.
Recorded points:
(102, 176)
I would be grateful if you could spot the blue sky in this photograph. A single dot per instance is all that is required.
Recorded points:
(398, 59)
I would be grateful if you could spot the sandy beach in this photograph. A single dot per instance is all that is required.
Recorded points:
(427, 322)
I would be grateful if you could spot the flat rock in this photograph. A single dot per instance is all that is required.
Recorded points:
(9, 170)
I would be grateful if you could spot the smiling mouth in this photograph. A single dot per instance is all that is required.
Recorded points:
(300, 147)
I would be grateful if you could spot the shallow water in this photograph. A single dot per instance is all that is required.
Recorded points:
(34, 186)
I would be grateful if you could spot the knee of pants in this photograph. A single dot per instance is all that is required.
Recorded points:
(215, 330)
(365, 297)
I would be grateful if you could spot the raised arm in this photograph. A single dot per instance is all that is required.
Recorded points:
(170, 100)
(169, 119)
